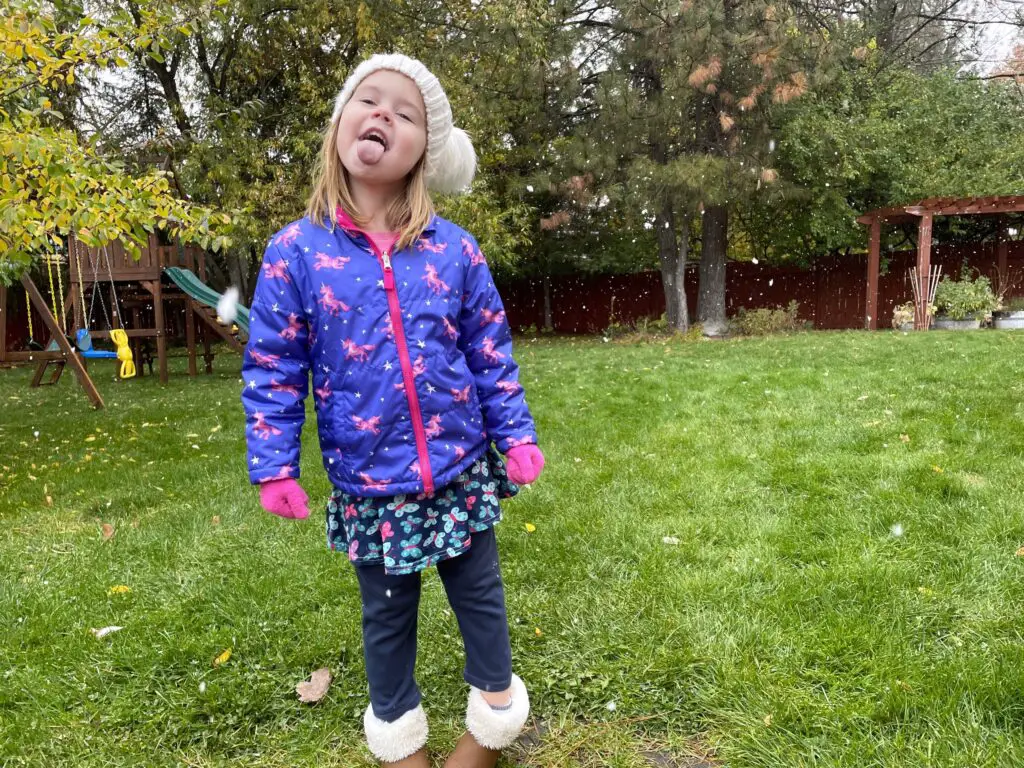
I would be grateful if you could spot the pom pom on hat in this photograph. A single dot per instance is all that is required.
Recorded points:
(451, 159)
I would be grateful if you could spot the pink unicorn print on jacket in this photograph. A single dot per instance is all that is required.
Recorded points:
(291, 389)
(289, 234)
(489, 352)
(357, 352)
(294, 326)
(261, 428)
(371, 425)
(324, 392)
(276, 271)
(437, 285)
(434, 428)
(489, 316)
(326, 261)
(264, 360)
(425, 245)
(472, 253)
(331, 304)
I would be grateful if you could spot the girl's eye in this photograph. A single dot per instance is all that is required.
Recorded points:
(405, 117)
(367, 101)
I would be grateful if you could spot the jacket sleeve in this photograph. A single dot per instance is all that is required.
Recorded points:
(275, 372)
(486, 340)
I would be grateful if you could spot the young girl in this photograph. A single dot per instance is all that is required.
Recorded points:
(394, 312)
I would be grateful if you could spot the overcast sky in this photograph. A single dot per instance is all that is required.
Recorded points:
(997, 40)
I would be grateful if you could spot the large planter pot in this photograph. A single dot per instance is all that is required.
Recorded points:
(943, 323)
(1006, 321)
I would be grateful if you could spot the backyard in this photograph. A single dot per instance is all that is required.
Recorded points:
(790, 551)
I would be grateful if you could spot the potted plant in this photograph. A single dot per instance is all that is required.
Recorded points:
(963, 304)
(1010, 316)
(903, 316)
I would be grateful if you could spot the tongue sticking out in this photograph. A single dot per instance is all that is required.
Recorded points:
(370, 151)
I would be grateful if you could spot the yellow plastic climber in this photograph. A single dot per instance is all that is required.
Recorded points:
(124, 353)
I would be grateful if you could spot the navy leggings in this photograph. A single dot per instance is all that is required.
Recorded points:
(472, 582)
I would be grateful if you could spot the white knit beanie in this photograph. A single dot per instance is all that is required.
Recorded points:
(451, 160)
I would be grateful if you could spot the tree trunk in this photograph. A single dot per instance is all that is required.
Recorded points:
(711, 297)
(672, 257)
(235, 274)
(680, 280)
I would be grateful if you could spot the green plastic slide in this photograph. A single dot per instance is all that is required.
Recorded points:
(204, 294)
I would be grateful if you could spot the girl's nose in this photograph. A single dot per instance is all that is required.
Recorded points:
(383, 114)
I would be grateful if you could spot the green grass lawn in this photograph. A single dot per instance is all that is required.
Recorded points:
(795, 551)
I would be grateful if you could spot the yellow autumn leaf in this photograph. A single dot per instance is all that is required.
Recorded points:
(119, 589)
(937, 470)
(222, 659)
(530, 527)
(537, 632)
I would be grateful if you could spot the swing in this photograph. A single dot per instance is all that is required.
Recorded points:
(83, 339)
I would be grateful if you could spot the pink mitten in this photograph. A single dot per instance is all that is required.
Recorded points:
(524, 463)
(284, 498)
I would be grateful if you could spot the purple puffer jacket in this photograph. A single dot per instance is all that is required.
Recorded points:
(410, 352)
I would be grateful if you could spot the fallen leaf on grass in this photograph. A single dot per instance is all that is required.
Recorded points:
(937, 470)
(101, 633)
(108, 531)
(768, 720)
(669, 540)
(223, 658)
(312, 690)
(537, 632)
(216, 520)
(904, 438)
(1020, 552)
(119, 589)
(530, 527)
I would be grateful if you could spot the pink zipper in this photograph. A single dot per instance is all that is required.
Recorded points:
(407, 376)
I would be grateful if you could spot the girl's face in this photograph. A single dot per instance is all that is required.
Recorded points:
(382, 130)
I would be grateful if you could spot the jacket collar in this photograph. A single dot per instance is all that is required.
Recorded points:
(344, 221)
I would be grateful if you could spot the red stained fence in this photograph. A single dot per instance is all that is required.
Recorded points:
(832, 294)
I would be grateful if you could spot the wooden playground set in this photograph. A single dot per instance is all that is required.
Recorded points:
(142, 304)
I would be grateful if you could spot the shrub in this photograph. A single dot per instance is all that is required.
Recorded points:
(963, 298)
(761, 322)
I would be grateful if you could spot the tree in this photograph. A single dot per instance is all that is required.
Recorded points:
(237, 108)
(876, 138)
(51, 181)
(684, 95)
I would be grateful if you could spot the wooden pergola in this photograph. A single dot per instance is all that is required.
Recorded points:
(924, 212)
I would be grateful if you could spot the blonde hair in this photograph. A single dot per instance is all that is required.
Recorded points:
(408, 214)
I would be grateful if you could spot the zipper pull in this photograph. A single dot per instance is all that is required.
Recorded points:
(389, 275)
